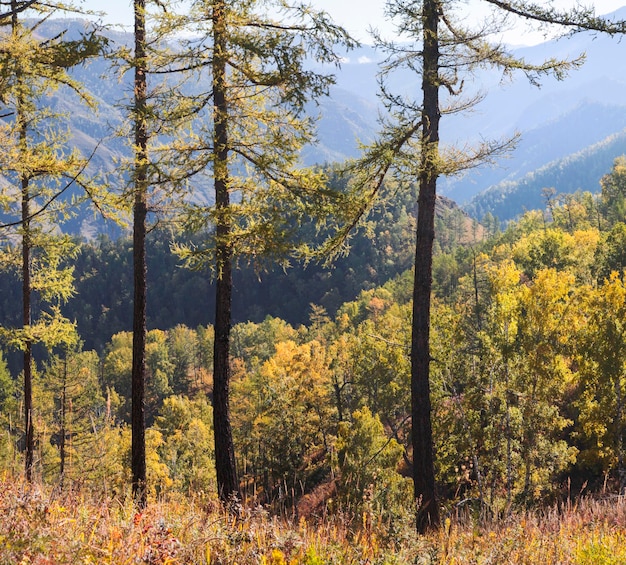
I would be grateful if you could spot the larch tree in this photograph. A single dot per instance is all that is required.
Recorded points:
(445, 52)
(259, 56)
(156, 111)
(38, 168)
(140, 213)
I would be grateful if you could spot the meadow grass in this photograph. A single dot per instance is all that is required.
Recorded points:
(41, 525)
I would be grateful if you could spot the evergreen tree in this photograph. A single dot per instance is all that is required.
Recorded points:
(261, 80)
(140, 212)
(445, 52)
(156, 115)
(39, 169)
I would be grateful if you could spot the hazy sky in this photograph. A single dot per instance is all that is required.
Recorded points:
(357, 16)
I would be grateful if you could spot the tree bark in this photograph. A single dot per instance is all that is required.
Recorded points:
(63, 424)
(29, 432)
(138, 425)
(427, 515)
(26, 317)
(227, 483)
(619, 433)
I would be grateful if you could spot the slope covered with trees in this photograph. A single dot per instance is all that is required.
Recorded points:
(527, 383)
(479, 368)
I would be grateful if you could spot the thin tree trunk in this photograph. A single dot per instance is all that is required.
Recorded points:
(427, 516)
(29, 431)
(621, 471)
(63, 428)
(509, 439)
(227, 483)
(138, 449)
(26, 316)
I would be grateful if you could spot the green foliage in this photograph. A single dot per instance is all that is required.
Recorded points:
(614, 192)
(72, 404)
(367, 461)
(602, 358)
(290, 391)
(527, 336)
(598, 552)
(182, 347)
(169, 357)
(185, 449)
(8, 415)
(380, 362)
(261, 82)
(255, 344)
(611, 252)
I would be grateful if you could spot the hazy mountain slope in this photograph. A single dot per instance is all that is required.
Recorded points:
(556, 121)
(580, 171)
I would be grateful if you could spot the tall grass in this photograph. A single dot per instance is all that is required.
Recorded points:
(39, 525)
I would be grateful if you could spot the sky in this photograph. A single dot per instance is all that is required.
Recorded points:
(358, 16)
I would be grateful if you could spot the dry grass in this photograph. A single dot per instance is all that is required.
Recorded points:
(40, 526)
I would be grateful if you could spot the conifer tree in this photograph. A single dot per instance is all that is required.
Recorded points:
(445, 52)
(157, 112)
(140, 212)
(261, 79)
(39, 169)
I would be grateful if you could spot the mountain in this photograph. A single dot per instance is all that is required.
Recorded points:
(560, 122)
(580, 171)
(556, 121)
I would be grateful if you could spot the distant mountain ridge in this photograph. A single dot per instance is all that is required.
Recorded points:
(557, 122)
(580, 171)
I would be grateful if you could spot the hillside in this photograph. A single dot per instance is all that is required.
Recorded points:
(580, 171)
(378, 253)
(526, 361)
(558, 121)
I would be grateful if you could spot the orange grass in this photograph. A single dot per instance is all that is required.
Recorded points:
(41, 526)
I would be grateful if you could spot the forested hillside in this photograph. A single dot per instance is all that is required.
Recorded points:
(528, 386)
(510, 199)
(379, 251)
(194, 316)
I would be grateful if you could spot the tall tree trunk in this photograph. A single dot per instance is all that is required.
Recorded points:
(427, 516)
(227, 483)
(26, 316)
(29, 431)
(619, 433)
(138, 450)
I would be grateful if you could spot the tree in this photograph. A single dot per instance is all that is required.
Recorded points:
(140, 212)
(39, 170)
(159, 372)
(261, 80)
(156, 116)
(290, 391)
(8, 412)
(611, 252)
(445, 52)
(76, 410)
(183, 344)
(614, 192)
(602, 359)
(367, 462)
(187, 447)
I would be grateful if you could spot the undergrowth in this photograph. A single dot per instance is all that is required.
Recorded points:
(43, 526)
